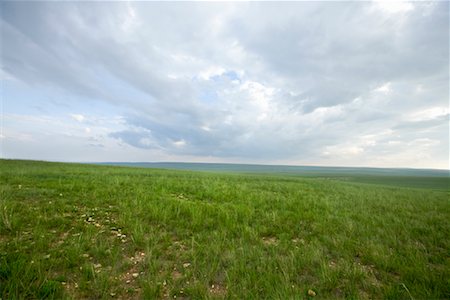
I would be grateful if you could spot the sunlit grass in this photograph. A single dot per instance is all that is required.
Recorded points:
(80, 231)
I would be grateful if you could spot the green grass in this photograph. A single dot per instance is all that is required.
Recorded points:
(412, 178)
(98, 232)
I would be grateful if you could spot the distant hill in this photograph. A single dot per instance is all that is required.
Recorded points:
(420, 178)
(300, 170)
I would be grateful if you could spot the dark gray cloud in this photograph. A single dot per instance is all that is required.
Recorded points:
(320, 82)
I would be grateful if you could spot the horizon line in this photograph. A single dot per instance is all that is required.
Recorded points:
(230, 163)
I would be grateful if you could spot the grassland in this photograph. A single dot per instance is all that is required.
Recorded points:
(101, 232)
(415, 178)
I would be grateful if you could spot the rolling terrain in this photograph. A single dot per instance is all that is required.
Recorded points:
(423, 178)
(102, 232)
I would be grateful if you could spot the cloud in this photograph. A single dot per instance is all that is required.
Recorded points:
(394, 7)
(430, 113)
(291, 82)
(77, 117)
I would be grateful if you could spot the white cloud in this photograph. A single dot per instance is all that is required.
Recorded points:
(130, 19)
(385, 88)
(260, 97)
(78, 117)
(210, 72)
(342, 153)
(429, 114)
(180, 143)
(394, 6)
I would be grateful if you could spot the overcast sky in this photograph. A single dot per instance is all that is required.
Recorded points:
(303, 83)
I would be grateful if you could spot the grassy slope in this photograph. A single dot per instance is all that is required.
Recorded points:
(81, 231)
(412, 178)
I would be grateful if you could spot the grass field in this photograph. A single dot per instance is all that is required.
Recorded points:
(417, 178)
(103, 232)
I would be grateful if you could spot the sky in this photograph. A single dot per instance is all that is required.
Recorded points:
(297, 83)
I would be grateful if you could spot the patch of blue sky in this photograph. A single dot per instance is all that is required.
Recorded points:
(228, 75)
(19, 98)
(208, 96)
(232, 75)
(22, 99)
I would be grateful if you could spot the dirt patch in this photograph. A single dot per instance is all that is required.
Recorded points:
(217, 289)
(270, 240)
(138, 257)
(298, 241)
(133, 273)
(370, 272)
(332, 264)
(176, 275)
(129, 279)
(70, 287)
(61, 239)
(179, 246)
